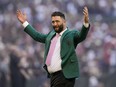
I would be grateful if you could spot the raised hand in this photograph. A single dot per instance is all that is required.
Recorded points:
(21, 16)
(86, 15)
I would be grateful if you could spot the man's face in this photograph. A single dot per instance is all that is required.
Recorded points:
(58, 23)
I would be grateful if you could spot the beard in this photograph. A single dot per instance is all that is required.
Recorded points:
(59, 28)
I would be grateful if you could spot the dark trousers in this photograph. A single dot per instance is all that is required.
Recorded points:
(58, 80)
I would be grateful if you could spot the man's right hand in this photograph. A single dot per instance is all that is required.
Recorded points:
(21, 16)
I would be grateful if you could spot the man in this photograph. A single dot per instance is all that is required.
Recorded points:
(60, 58)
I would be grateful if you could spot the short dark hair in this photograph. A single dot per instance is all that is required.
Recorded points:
(57, 13)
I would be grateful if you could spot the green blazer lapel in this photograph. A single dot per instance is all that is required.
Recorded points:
(50, 36)
(61, 42)
(64, 35)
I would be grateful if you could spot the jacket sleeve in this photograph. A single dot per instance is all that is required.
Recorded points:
(35, 35)
(79, 36)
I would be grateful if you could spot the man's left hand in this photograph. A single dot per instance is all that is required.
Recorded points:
(86, 15)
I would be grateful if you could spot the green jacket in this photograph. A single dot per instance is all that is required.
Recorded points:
(69, 40)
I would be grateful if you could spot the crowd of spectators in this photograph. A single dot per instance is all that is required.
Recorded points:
(97, 54)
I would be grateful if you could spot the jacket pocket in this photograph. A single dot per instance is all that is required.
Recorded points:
(73, 60)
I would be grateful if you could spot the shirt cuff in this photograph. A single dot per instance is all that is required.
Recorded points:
(25, 24)
(86, 25)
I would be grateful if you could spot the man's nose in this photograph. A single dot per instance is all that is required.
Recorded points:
(55, 24)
